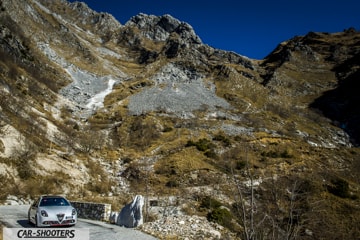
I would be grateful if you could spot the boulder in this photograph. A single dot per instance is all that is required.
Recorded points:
(131, 215)
(113, 217)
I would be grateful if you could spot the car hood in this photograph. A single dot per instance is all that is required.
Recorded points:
(57, 209)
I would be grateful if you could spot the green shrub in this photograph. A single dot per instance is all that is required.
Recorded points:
(167, 129)
(24, 169)
(222, 138)
(221, 216)
(127, 160)
(217, 213)
(276, 154)
(285, 154)
(211, 154)
(172, 183)
(339, 187)
(202, 145)
(100, 187)
(239, 165)
(209, 203)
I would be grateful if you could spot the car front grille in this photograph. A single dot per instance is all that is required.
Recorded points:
(54, 223)
(60, 217)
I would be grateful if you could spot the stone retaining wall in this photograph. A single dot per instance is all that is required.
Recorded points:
(94, 211)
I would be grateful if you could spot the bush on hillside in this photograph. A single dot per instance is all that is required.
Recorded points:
(339, 187)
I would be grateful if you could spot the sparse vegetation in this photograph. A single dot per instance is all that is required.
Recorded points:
(143, 132)
(100, 184)
(204, 145)
(339, 187)
(275, 154)
(222, 138)
(221, 216)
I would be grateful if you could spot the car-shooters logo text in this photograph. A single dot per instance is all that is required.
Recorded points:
(45, 233)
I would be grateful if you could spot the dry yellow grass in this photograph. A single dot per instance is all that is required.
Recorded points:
(186, 160)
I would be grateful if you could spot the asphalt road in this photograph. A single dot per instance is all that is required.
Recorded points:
(16, 217)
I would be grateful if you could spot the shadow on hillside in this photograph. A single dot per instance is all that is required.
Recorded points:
(341, 105)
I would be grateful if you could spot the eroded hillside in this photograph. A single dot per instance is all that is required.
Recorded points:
(99, 110)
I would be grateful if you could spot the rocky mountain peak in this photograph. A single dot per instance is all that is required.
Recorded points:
(89, 16)
(80, 14)
(159, 28)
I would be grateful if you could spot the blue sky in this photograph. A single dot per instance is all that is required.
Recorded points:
(252, 27)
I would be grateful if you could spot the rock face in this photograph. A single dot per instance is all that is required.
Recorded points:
(159, 28)
(131, 215)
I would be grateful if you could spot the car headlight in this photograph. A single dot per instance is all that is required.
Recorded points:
(44, 213)
(73, 212)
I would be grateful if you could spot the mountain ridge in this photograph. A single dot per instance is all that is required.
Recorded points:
(147, 108)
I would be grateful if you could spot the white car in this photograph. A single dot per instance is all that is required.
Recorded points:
(52, 211)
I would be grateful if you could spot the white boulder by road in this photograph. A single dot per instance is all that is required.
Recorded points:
(131, 214)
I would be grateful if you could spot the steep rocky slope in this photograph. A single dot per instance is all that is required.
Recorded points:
(322, 68)
(100, 110)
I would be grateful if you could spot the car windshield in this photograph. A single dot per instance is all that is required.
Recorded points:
(53, 201)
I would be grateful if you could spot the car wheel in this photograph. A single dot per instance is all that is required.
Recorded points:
(29, 221)
(36, 221)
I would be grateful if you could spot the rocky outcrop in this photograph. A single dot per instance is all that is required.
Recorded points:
(13, 44)
(131, 215)
(102, 23)
(188, 227)
(152, 36)
(160, 28)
